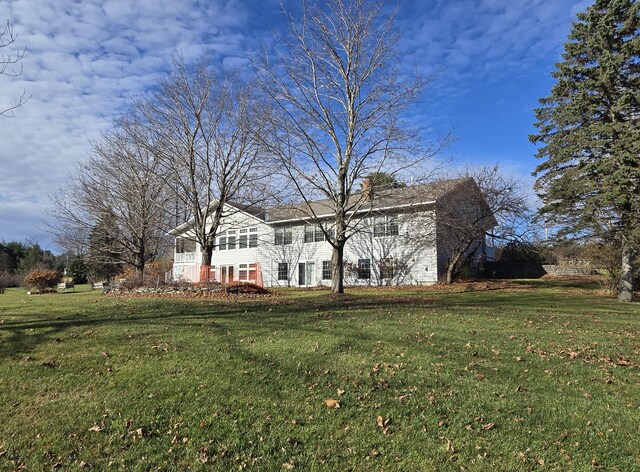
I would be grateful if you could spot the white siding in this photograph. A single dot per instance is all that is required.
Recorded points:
(413, 249)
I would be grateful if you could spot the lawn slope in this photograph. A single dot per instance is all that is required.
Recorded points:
(527, 377)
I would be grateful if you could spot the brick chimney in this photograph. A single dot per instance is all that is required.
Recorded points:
(367, 188)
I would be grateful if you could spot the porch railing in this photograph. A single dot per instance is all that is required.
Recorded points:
(185, 257)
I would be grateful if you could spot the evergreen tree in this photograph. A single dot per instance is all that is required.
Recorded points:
(589, 133)
(77, 269)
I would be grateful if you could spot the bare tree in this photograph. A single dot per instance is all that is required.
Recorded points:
(487, 203)
(117, 191)
(11, 64)
(339, 96)
(202, 125)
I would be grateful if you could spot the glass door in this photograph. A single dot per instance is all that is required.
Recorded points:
(301, 274)
(310, 272)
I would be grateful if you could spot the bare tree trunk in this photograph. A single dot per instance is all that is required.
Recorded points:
(625, 289)
(448, 279)
(337, 276)
(205, 262)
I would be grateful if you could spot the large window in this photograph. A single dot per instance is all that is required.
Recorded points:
(247, 237)
(283, 236)
(385, 226)
(364, 269)
(185, 245)
(326, 270)
(247, 272)
(283, 271)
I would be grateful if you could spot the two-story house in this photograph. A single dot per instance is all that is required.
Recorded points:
(396, 239)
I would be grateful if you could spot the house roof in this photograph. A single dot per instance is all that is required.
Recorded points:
(382, 200)
(396, 198)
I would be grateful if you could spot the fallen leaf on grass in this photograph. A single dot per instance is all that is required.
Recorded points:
(488, 426)
(96, 428)
(288, 465)
(331, 403)
(383, 424)
(374, 453)
(450, 446)
(340, 391)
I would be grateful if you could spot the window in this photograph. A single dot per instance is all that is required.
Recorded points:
(242, 239)
(313, 234)
(222, 241)
(247, 272)
(392, 226)
(283, 271)
(387, 268)
(185, 245)
(253, 271)
(253, 237)
(247, 237)
(327, 270)
(308, 233)
(284, 236)
(364, 269)
(231, 240)
(385, 226)
(379, 223)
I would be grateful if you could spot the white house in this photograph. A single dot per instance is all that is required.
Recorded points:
(397, 239)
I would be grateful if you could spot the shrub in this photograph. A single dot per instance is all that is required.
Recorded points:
(7, 279)
(42, 279)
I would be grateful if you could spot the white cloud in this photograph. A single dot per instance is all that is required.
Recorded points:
(84, 61)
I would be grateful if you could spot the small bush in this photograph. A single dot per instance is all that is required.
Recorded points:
(7, 279)
(42, 279)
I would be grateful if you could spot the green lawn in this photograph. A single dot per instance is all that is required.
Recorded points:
(534, 378)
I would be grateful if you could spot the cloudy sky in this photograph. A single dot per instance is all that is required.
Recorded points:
(86, 58)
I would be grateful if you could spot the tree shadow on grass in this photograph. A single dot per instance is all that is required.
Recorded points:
(24, 333)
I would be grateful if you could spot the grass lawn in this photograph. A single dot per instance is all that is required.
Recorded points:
(545, 376)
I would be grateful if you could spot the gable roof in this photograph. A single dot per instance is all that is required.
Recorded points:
(389, 199)
(383, 200)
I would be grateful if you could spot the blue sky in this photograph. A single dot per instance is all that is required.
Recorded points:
(86, 58)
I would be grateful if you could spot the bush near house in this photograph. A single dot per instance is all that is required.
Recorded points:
(42, 279)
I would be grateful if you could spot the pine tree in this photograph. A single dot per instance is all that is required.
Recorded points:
(589, 133)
